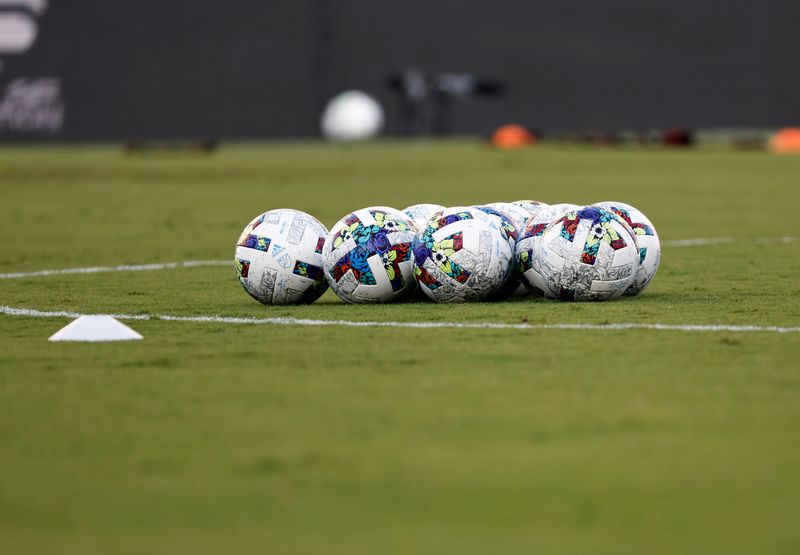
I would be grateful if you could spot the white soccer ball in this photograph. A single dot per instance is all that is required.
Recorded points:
(513, 286)
(352, 116)
(528, 243)
(517, 214)
(279, 257)
(421, 213)
(588, 254)
(367, 256)
(531, 206)
(646, 238)
(461, 255)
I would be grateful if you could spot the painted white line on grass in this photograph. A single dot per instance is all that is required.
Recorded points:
(699, 242)
(707, 241)
(283, 321)
(120, 268)
(11, 311)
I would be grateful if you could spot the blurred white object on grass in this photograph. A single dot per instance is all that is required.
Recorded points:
(352, 116)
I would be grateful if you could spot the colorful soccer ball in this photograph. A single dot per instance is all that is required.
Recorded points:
(514, 281)
(421, 213)
(528, 244)
(517, 214)
(367, 256)
(588, 254)
(462, 255)
(279, 257)
(531, 206)
(646, 238)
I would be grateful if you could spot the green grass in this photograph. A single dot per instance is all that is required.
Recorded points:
(208, 438)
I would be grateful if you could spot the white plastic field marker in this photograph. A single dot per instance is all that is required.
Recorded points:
(95, 328)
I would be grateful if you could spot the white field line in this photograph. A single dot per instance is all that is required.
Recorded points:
(698, 242)
(701, 242)
(705, 241)
(11, 311)
(121, 268)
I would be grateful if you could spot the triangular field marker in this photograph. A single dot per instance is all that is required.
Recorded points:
(95, 328)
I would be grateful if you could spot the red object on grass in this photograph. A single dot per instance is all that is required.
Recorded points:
(786, 141)
(512, 136)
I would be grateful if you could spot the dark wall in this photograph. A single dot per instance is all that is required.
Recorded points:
(259, 68)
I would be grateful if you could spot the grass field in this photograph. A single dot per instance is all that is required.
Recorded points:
(210, 437)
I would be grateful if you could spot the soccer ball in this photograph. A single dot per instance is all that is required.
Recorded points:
(531, 206)
(646, 238)
(367, 256)
(514, 281)
(517, 214)
(528, 244)
(462, 255)
(279, 257)
(421, 213)
(352, 116)
(588, 254)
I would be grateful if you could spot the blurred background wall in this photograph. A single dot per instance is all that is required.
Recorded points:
(98, 70)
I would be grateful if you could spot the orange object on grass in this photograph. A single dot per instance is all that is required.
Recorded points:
(786, 141)
(512, 136)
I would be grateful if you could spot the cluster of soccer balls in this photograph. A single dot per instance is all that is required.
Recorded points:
(465, 253)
